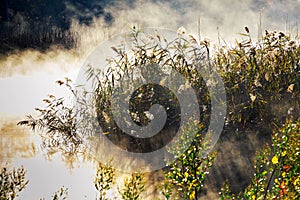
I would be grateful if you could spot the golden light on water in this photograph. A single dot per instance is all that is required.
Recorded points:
(27, 77)
(21, 93)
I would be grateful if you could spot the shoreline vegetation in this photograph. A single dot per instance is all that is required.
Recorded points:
(262, 85)
(41, 24)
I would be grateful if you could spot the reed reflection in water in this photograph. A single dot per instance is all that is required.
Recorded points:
(46, 173)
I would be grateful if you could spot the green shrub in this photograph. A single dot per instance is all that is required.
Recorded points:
(188, 172)
(104, 179)
(133, 187)
(277, 168)
(258, 76)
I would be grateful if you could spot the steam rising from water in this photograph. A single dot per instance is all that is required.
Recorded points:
(26, 72)
(28, 76)
(228, 17)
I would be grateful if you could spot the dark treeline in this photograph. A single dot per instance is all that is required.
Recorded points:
(41, 23)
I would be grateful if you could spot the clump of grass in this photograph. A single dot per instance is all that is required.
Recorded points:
(12, 182)
(259, 75)
(185, 177)
(58, 125)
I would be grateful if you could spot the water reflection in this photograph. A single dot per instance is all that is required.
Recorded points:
(46, 172)
(15, 142)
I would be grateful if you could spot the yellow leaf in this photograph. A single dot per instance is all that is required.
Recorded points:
(296, 182)
(186, 175)
(290, 88)
(252, 97)
(267, 76)
(192, 195)
(275, 160)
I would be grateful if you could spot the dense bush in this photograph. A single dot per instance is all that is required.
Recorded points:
(259, 76)
(43, 23)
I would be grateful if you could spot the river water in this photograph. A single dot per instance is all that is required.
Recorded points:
(45, 174)
(20, 94)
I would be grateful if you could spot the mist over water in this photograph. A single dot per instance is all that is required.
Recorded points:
(27, 75)
(210, 18)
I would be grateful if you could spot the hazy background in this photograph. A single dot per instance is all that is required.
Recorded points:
(51, 33)
(42, 41)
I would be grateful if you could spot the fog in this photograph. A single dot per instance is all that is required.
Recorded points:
(28, 75)
(209, 18)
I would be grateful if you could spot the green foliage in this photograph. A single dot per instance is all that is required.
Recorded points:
(226, 193)
(133, 187)
(104, 179)
(187, 174)
(258, 78)
(167, 189)
(277, 168)
(178, 55)
(12, 182)
(61, 123)
(258, 75)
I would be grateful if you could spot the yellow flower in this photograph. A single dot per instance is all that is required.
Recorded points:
(283, 153)
(275, 160)
(283, 174)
